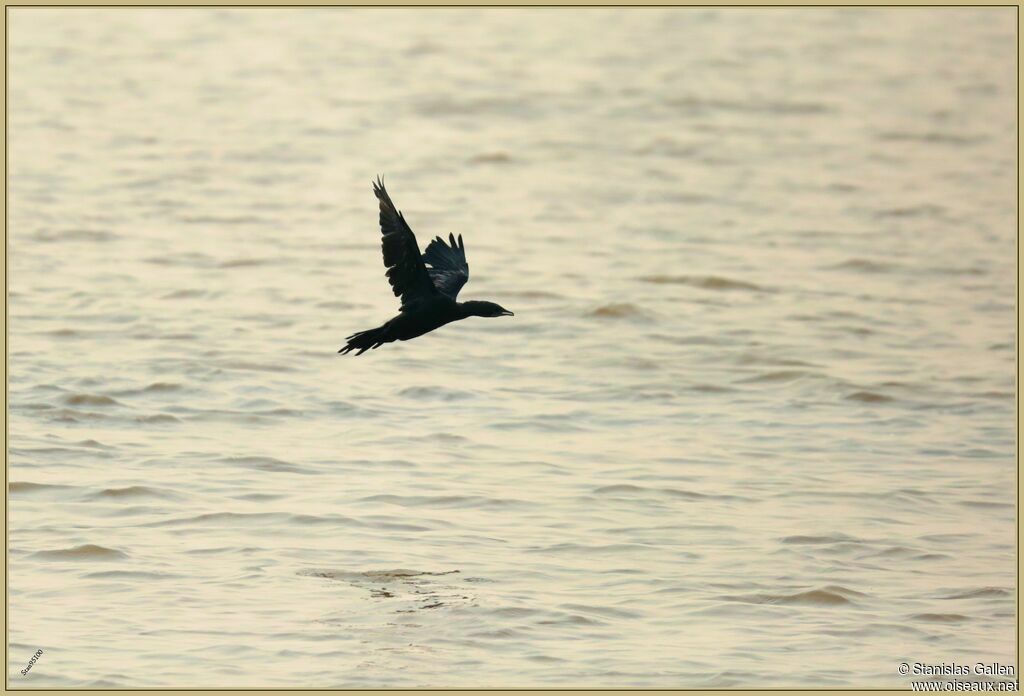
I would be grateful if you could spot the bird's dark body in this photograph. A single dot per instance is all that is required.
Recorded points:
(416, 320)
(428, 294)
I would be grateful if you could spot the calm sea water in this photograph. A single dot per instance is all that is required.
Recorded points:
(752, 424)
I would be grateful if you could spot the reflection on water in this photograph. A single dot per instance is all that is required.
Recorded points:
(751, 425)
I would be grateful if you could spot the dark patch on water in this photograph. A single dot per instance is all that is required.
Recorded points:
(444, 501)
(868, 397)
(29, 489)
(266, 464)
(74, 235)
(930, 617)
(85, 552)
(158, 418)
(633, 490)
(132, 492)
(829, 596)
(436, 394)
(866, 266)
(981, 593)
(90, 400)
(618, 310)
(703, 282)
(490, 158)
(822, 539)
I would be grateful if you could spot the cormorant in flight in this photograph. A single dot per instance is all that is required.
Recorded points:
(428, 284)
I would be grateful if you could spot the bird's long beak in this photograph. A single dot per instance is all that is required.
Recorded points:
(507, 313)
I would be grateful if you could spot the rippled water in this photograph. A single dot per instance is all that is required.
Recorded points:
(752, 424)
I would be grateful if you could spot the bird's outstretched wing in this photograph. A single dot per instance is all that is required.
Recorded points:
(447, 265)
(406, 271)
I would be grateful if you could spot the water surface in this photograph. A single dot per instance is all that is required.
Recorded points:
(752, 424)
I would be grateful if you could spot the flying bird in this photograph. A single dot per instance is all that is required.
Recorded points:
(426, 283)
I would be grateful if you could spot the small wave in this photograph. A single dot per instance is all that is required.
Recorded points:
(619, 310)
(767, 360)
(940, 618)
(131, 492)
(670, 147)
(775, 376)
(244, 263)
(958, 271)
(187, 294)
(85, 552)
(545, 423)
(220, 550)
(630, 489)
(435, 394)
(490, 158)
(90, 400)
(991, 504)
(133, 511)
(30, 488)
(259, 497)
(423, 48)
(443, 501)
(868, 397)
(441, 106)
(584, 549)
(157, 336)
(864, 266)
(445, 437)
(74, 235)
(226, 220)
(926, 210)
(695, 104)
(189, 259)
(257, 367)
(572, 620)
(64, 333)
(265, 464)
(131, 575)
(892, 552)
(608, 612)
(546, 659)
(996, 395)
(981, 593)
(833, 595)
(937, 137)
(158, 418)
(710, 389)
(32, 407)
(93, 444)
(337, 304)
(252, 520)
(68, 415)
(533, 295)
(823, 539)
(396, 575)
(398, 524)
(704, 282)
(635, 363)
(155, 388)
(163, 387)
(282, 412)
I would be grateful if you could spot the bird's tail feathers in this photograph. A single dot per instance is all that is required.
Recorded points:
(363, 341)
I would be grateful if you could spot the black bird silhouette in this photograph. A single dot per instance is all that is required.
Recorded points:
(428, 284)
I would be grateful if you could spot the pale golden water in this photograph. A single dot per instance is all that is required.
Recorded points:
(752, 424)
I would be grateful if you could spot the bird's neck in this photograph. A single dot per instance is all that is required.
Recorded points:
(470, 308)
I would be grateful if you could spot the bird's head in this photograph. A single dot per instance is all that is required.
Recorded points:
(481, 308)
